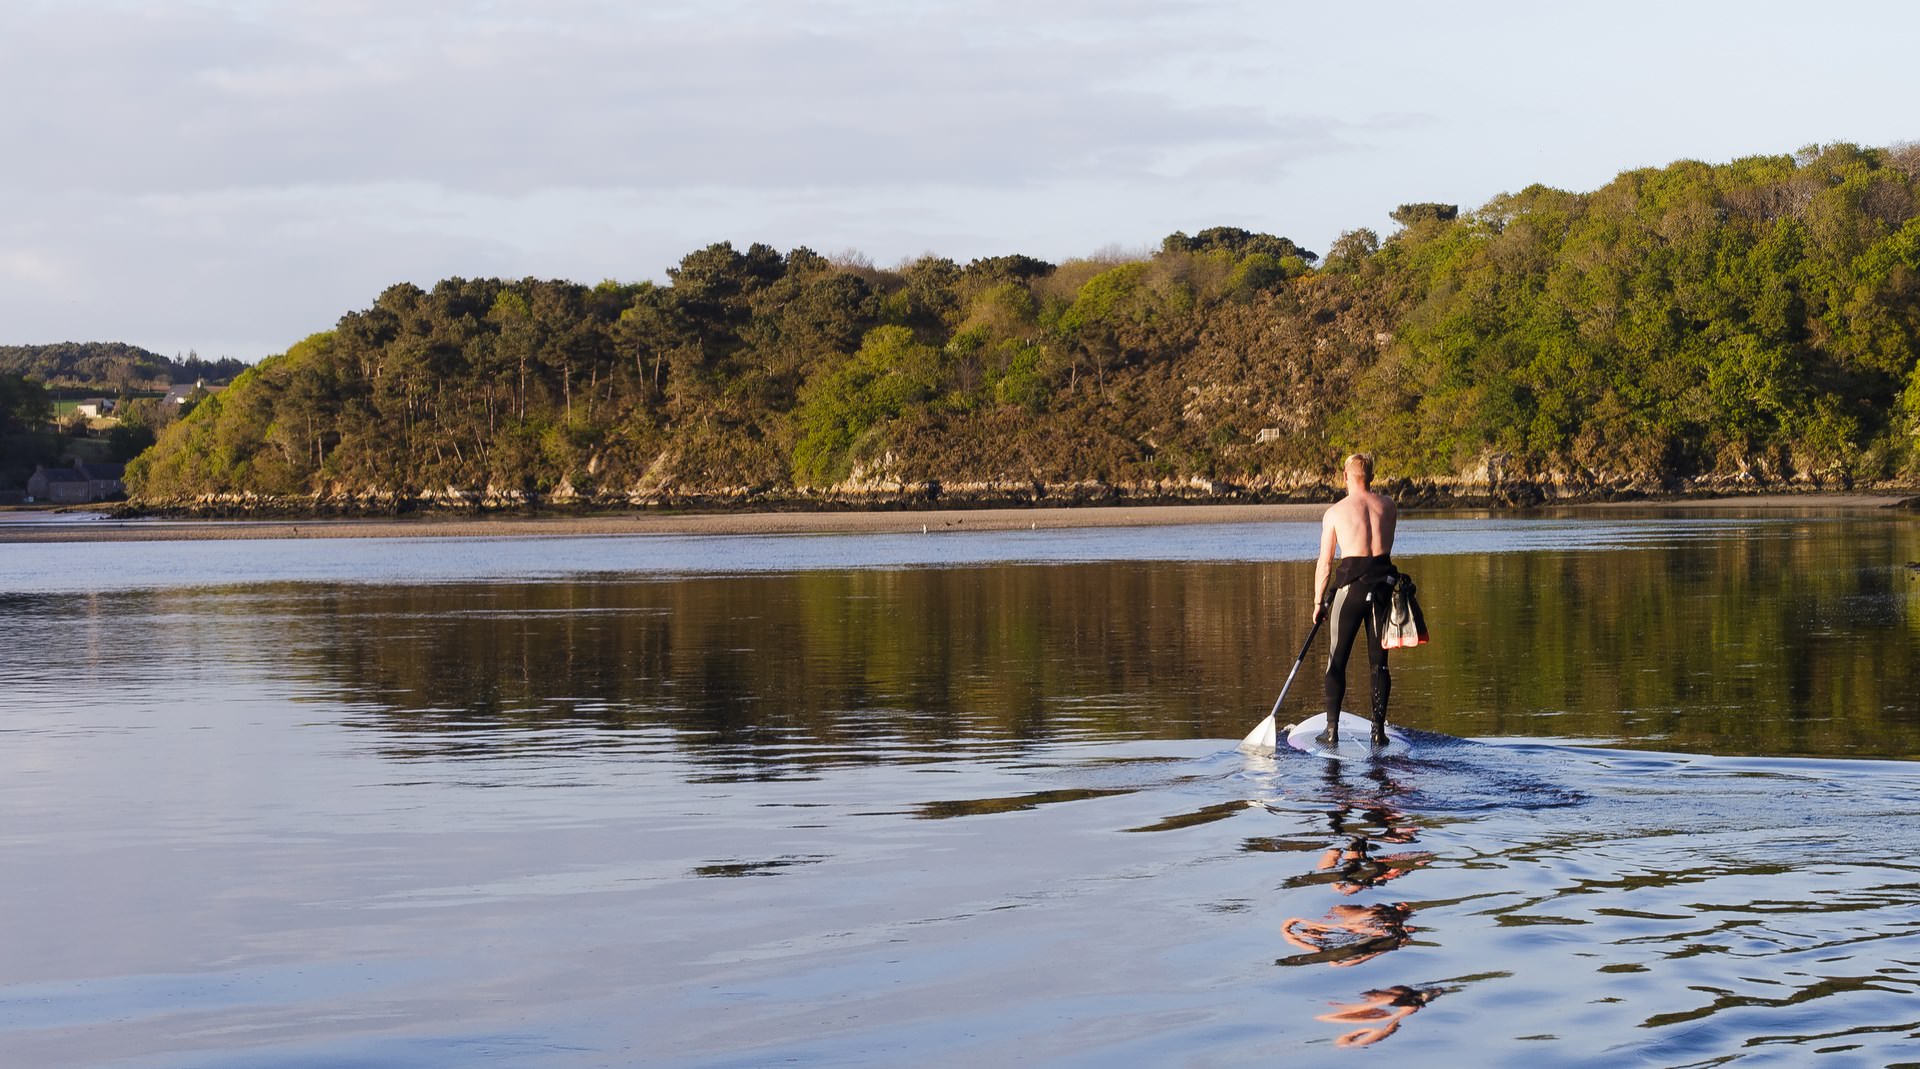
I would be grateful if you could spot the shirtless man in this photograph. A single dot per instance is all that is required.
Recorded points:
(1360, 526)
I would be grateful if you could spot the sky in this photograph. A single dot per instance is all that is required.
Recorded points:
(227, 177)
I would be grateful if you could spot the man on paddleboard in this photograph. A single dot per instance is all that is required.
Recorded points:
(1359, 527)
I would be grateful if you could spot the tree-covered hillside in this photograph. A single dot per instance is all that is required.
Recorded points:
(24, 441)
(1754, 322)
(111, 366)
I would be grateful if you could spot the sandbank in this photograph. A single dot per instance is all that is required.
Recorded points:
(78, 528)
(75, 526)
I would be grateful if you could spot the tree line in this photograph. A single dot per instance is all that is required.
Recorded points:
(112, 367)
(1754, 322)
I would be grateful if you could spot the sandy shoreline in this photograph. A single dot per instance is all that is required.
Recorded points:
(650, 523)
(23, 526)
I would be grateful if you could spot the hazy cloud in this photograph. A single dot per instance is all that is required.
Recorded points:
(189, 98)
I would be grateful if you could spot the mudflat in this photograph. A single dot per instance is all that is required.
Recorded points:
(41, 526)
(78, 527)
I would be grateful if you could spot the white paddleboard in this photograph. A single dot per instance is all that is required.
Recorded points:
(1356, 738)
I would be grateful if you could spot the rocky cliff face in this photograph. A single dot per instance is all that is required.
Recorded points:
(1486, 486)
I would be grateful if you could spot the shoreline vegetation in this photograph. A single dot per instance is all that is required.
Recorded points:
(1750, 326)
(78, 525)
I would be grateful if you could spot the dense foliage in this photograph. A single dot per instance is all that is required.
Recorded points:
(23, 404)
(112, 366)
(1758, 320)
(24, 411)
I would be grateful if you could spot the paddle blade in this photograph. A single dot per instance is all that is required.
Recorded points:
(1262, 737)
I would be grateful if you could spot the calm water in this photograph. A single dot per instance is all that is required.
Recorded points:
(957, 800)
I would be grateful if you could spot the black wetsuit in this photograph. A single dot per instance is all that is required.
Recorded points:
(1349, 610)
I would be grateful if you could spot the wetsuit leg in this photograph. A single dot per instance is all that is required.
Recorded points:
(1346, 615)
(1382, 682)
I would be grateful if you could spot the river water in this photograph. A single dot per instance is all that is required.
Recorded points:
(958, 800)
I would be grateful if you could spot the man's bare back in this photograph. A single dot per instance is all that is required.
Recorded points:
(1360, 524)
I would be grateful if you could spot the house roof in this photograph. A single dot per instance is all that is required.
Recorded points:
(61, 475)
(101, 471)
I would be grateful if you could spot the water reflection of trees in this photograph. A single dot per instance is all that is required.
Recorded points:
(1771, 639)
(1757, 643)
(923, 655)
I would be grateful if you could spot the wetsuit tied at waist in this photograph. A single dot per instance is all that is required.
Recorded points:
(1349, 612)
(1350, 570)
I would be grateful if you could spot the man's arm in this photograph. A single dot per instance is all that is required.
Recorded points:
(1323, 569)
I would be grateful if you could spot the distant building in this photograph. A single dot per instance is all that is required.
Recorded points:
(180, 392)
(57, 486)
(104, 481)
(94, 407)
(77, 485)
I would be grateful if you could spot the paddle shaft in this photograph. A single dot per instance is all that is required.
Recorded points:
(1297, 661)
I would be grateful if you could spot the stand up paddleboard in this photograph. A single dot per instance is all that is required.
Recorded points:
(1356, 738)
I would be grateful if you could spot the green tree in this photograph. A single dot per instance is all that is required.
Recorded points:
(1352, 249)
(23, 404)
(838, 412)
(1414, 215)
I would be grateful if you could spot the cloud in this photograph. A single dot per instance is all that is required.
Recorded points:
(229, 273)
(511, 98)
(33, 269)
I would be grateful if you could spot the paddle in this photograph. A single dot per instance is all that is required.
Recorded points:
(1266, 733)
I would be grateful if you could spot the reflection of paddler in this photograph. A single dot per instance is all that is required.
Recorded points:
(1350, 935)
(1358, 868)
(1364, 822)
(1382, 1009)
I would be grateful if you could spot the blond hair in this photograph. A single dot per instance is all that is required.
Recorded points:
(1363, 461)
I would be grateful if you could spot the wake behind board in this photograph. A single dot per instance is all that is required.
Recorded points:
(1356, 738)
